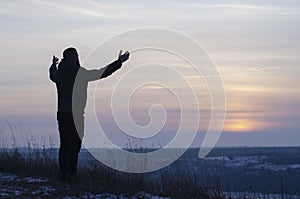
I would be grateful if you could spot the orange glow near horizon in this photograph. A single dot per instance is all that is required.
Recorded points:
(238, 128)
(242, 125)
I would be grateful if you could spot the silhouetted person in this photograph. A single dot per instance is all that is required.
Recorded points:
(71, 82)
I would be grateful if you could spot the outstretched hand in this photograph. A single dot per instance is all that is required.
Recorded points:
(124, 57)
(54, 60)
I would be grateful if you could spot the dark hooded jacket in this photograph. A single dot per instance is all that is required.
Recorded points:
(72, 81)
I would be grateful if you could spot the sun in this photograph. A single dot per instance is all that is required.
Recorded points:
(238, 126)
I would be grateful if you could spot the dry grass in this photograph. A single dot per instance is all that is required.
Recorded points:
(98, 178)
(41, 161)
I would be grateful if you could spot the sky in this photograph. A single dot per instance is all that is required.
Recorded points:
(254, 45)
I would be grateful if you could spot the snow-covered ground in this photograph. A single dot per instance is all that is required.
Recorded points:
(254, 162)
(13, 186)
(239, 195)
(238, 172)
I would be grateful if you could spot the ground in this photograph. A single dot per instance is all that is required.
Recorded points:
(13, 186)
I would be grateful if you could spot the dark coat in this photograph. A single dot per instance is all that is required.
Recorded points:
(72, 81)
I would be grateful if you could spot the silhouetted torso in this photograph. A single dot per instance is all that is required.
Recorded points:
(72, 83)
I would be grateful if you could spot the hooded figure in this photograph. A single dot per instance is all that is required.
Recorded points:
(72, 82)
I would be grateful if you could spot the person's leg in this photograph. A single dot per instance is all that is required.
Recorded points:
(70, 143)
(74, 151)
(63, 149)
(76, 140)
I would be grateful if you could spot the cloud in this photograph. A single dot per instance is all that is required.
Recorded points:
(254, 46)
(88, 8)
(247, 7)
(57, 8)
(230, 6)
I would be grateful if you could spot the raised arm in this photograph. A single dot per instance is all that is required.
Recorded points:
(106, 71)
(53, 69)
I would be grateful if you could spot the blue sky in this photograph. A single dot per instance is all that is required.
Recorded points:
(255, 45)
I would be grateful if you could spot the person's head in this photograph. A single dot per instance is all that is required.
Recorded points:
(70, 55)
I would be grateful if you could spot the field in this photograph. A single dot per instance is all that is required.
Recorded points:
(225, 173)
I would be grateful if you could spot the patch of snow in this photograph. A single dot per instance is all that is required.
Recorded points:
(10, 191)
(33, 180)
(270, 166)
(3, 194)
(237, 195)
(240, 161)
(111, 196)
(102, 196)
(219, 158)
(7, 177)
(47, 189)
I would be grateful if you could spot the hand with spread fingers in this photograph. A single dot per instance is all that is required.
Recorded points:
(54, 60)
(124, 57)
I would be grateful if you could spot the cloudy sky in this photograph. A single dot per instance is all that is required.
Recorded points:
(254, 44)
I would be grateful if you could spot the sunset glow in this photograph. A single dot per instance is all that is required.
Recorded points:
(241, 126)
(253, 44)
